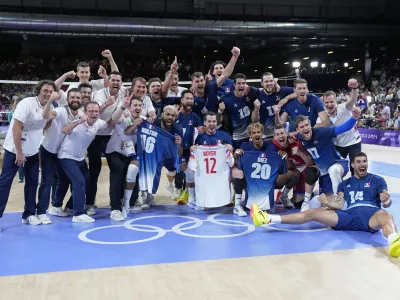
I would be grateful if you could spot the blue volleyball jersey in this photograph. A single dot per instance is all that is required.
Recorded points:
(199, 106)
(154, 145)
(321, 148)
(267, 146)
(188, 123)
(226, 88)
(220, 137)
(239, 112)
(215, 93)
(364, 191)
(311, 108)
(267, 115)
(261, 169)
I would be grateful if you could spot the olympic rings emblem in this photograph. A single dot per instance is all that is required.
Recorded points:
(178, 229)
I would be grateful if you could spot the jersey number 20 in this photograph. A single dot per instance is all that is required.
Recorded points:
(262, 171)
(148, 143)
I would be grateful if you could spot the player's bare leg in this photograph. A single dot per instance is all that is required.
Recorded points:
(384, 220)
(312, 174)
(239, 181)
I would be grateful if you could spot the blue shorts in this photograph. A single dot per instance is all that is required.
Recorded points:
(134, 157)
(356, 219)
(325, 183)
(185, 156)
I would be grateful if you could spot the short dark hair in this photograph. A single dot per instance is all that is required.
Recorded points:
(154, 79)
(298, 81)
(141, 79)
(73, 90)
(279, 126)
(115, 73)
(266, 74)
(91, 102)
(82, 64)
(135, 98)
(85, 85)
(196, 75)
(299, 119)
(217, 62)
(359, 154)
(209, 113)
(329, 93)
(186, 92)
(239, 76)
(41, 83)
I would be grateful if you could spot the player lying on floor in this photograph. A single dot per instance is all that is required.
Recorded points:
(363, 193)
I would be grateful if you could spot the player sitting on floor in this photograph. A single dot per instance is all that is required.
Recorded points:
(363, 193)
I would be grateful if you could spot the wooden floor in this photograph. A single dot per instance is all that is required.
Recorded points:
(346, 274)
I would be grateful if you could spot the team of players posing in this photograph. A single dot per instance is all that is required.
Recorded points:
(116, 121)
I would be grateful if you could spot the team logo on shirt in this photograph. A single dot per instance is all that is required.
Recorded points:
(150, 126)
(368, 184)
(263, 155)
(227, 89)
(219, 142)
(190, 122)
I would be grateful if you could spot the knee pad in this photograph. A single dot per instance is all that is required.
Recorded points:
(132, 173)
(189, 176)
(171, 173)
(335, 171)
(311, 175)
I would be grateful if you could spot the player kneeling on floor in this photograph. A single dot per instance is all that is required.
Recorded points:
(363, 193)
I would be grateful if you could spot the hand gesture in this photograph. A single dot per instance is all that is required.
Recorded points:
(192, 148)
(352, 83)
(83, 119)
(174, 66)
(283, 154)
(110, 101)
(257, 104)
(292, 137)
(221, 107)
(178, 140)
(295, 150)
(201, 129)
(235, 52)
(138, 121)
(237, 153)
(208, 77)
(127, 100)
(106, 53)
(70, 74)
(102, 72)
(356, 112)
(277, 108)
(229, 147)
(54, 96)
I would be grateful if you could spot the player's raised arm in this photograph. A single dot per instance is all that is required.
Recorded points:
(229, 68)
(107, 54)
(350, 123)
(255, 115)
(353, 85)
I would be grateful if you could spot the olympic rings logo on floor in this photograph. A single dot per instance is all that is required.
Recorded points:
(159, 232)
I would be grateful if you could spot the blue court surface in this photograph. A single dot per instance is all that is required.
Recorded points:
(166, 234)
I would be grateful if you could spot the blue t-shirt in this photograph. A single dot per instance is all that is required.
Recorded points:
(261, 169)
(267, 115)
(364, 191)
(267, 146)
(153, 147)
(239, 112)
(188, 124)
(159, 106)
(220, 137)
(322, 148)
(311, 108)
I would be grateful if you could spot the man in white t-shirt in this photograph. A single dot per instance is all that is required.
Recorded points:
(53, 138)
(21, 147)
(139, 90)
(108, 99)
(348, 143)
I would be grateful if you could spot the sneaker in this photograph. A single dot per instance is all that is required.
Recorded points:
(258, 216)
(83, 219)
(199, 207)
(69, 211)
(191, 204)
(58, 211)
(169, 187)
(117, 215)
(238, 210)
(148, 202)
(31, 220)
(183, 198)
(90, 210)
(44, 219)
(394, 249)
(287, 203)
(177, 194)
(305, 206)
(20, 180)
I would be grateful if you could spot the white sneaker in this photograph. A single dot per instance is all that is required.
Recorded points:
(31, 220)
(148, 202)
(169, 187)
(90, 210)
(287, 203)
(305, 206)
(191, 203)
(83, 219)
(238, 210)
(117, 215)
(58, 211)
(69, 211)
(177, 194)
(44, 219)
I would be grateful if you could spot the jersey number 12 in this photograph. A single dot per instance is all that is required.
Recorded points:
(210, 165)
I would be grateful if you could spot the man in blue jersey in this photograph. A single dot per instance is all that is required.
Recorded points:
(216, 70)
(319, 144)
(306, 104)
(363, 194)
(262, 169)
(158, 150)
(237, 106)
(269, 97)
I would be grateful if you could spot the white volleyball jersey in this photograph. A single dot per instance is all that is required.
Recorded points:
(212, 166)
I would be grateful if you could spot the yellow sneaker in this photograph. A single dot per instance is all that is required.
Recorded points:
(183, 199)
(394, 249)
(258, 216)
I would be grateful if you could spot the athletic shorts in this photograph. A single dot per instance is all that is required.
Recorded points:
(356, 219)
(185, 156)
(301, 185)
(134, 157)
(325, 183)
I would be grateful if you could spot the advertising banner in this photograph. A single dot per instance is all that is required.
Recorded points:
(388, 138)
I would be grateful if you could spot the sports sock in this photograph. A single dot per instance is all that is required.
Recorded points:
(127, 194)
(285, 191)
(392, 237)
(238, 198)
(275, 218)
(307, 197)
(192, 193)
